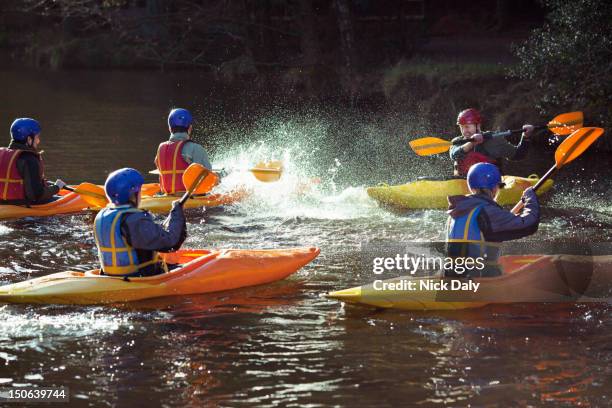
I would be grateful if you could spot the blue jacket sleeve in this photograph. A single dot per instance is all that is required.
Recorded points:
(143, 233)
(498, 224)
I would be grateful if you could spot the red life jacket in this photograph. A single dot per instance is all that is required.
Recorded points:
(11, 182)
(171, 166)
(463, 166)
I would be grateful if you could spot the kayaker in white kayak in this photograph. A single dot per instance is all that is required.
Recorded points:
(176, 154)
(483, 149)
(128, 239)
(22, 169)
(477, 225)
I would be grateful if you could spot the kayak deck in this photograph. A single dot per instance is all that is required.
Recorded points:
(163, 203)
(68, 202)
(430, 194)
(527, 278)
(202, 271)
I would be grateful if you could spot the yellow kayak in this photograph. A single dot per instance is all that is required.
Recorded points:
(526, 279)
(201, 271)
(425, 194)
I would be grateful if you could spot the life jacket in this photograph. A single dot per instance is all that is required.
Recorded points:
(117, 258)
(466, 240)
(171, 166)
(463, 166)
(11, 182)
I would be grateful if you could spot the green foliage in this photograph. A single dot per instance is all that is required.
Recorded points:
(442, 72)
(569, 58)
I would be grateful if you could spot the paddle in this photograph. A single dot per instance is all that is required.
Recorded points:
(263, 171)
(92, 194)
(268, 171)
(561, 125)
(571, 148)
(194, 176)
(199, 179)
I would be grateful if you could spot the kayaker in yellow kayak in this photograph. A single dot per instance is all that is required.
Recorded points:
(176, 154)
(22, 169)
(477, 225)
(128, 239)
(482, 147)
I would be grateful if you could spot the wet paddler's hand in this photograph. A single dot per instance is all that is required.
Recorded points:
(477, 138)
(528, 194)
(527, 131)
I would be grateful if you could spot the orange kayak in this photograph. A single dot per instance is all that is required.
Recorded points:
(202, 271)
(163, 203)
(68, 202)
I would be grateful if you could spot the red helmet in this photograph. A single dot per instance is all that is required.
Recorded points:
(469, 117)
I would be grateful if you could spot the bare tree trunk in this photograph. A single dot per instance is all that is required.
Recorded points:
(309, 42)
(347, 40)
(502, 11)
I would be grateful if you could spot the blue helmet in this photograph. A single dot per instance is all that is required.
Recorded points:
(24, 127)
(484, 175)
(179, 117)
(121, 184)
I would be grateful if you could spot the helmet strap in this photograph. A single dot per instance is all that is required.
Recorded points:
(133, 201)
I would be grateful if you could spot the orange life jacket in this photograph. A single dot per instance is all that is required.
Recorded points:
(171, 166)
(11, 182)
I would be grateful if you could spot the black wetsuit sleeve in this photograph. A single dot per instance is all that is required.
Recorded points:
(35, 188)
(456, 150)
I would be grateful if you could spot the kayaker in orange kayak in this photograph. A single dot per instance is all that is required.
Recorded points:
(477, 225)
(176, 154)
(483, 148)
(22, 169)
(128, 239)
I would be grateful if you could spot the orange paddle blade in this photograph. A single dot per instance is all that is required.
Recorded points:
(150, 189)
(566, 123)
(268, 171)
(429, 145)
(575, 144)
(198, 179)
(93, 194)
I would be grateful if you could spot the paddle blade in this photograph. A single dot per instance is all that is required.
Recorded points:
(268, 171)
(575, 144)
(198, 179)
(150, 189)
(566, 123)
(429, 145)
(92, 194)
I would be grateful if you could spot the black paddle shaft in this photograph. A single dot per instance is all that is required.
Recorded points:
(491, 134)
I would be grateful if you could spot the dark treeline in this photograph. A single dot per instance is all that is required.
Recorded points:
(339, 47)
(249, 35)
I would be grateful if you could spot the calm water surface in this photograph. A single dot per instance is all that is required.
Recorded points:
(282, 344)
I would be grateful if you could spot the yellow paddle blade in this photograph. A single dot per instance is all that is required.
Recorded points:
(429, 145)
(92, 194)
(566, 123)
(198, 179)
(575, 144)
(268, 171)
